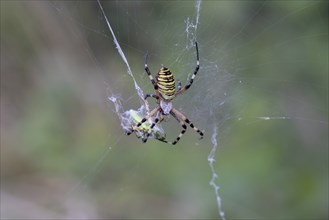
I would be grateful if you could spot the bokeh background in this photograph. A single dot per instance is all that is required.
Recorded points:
(263, 83)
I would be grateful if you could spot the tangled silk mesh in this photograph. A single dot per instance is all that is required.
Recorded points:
(130, 118)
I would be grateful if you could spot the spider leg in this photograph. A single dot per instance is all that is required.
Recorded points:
(151, 95)
(179, 86)
(179, 92)
(182, 124)
(150, 75)
(156, 120)
(143, 120)
(181, 133)
(183, 118)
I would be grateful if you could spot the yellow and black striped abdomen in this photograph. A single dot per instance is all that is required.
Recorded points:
(166, 83)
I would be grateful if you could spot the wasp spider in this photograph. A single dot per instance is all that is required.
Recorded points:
(165, 91)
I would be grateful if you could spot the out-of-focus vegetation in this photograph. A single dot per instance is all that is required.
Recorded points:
(64, 155)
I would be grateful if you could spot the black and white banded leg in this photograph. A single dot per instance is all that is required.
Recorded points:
(150, 75)
(156, 121)
(151, 95)
(179, 86)
(187, 121)
(182, 124)
(179, 92)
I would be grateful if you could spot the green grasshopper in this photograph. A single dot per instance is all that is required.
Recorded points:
(134, 117)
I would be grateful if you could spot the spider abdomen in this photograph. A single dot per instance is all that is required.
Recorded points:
(166, 83)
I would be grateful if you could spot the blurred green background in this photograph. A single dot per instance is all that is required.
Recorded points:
(63, 152)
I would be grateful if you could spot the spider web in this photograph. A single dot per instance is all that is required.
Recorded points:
(260, 96)
(191, 32)
(210, 108)
(217, 102)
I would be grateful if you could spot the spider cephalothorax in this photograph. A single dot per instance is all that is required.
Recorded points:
(165, 91)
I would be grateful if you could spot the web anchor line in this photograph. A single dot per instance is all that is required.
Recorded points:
(123, 56)
(211, 160)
